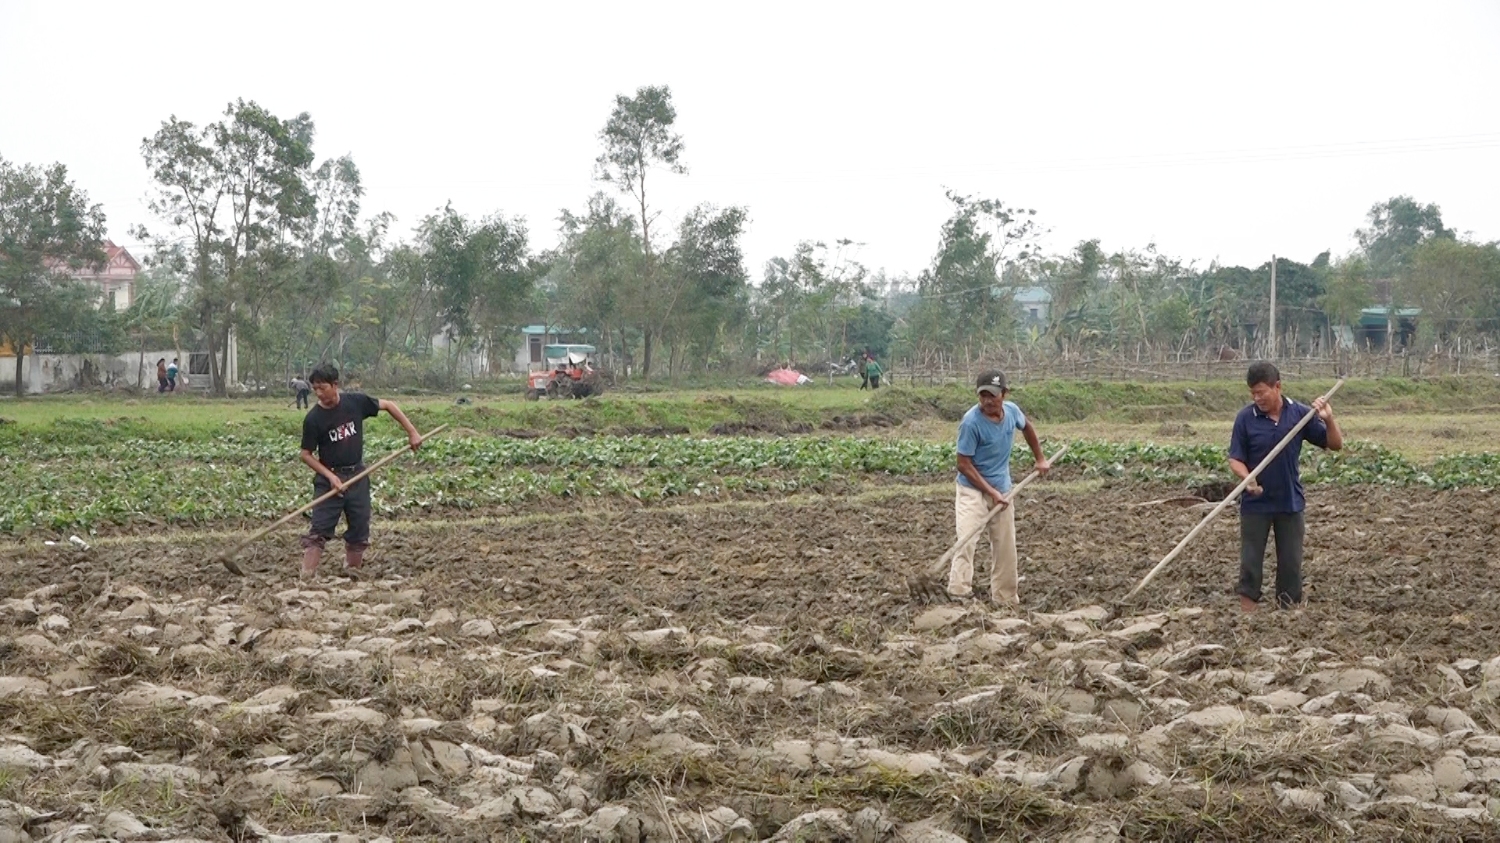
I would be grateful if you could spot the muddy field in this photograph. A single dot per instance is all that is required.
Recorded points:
(758, 670)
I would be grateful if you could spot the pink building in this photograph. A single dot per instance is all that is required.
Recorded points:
(115, 278)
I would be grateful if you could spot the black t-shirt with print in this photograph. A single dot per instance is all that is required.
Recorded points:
(337, 436)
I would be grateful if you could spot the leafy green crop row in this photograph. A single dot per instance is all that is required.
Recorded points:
(1359, 463)
(58, 487)
(720, 453)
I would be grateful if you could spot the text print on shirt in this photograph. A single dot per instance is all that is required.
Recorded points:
(342, 432)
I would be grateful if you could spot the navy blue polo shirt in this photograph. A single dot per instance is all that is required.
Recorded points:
(1255, 434)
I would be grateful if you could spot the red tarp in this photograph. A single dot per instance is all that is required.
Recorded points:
(787, 377)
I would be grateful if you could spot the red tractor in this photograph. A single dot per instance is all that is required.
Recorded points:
(570, 373)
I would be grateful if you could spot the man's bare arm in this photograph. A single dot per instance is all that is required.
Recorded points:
(1042, 464)
(313, 463)
(967, 469)
(412, 435)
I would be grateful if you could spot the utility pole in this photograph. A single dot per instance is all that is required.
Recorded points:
(1271, 355)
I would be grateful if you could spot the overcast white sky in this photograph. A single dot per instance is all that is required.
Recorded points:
(1217, 131)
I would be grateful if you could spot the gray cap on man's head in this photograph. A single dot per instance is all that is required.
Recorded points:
(992, 381)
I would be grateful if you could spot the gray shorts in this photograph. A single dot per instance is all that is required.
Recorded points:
(354, 506)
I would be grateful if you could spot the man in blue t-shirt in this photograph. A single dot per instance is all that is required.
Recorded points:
(985, 436)
(1274, 499)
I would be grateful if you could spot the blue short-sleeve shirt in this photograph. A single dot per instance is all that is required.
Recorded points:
(988, 444)
(1255, 434)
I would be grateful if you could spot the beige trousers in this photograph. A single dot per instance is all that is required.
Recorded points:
(970, 506)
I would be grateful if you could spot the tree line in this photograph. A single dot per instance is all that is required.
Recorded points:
(256, 240)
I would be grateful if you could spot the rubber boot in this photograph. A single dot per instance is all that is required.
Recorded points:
(310, 559)
(353, 559)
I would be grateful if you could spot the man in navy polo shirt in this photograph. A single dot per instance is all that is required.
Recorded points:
(985, 436)
(1274, 499)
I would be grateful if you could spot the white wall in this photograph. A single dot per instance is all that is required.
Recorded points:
(59, 372)
(522, 362)
(472, 363)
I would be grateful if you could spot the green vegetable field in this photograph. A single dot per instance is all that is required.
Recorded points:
(81, 485)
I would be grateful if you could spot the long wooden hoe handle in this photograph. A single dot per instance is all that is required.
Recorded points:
(1280, 446)
(226, 557)
(938, 566)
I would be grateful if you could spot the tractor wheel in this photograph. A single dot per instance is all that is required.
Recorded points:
(591, 384)
(533, 395)
(561, 386)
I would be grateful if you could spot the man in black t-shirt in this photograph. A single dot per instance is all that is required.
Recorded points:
(333, 446)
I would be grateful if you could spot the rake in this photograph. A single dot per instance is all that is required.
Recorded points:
(1224, 504)
(227, 557)
(928, 585)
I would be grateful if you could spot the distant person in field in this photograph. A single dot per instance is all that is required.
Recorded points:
(1274, 501)
(864, 371)
(303, 389)
(172, 376)
(333, 446)
(161, 375)
(985, 436)
(872, 368)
